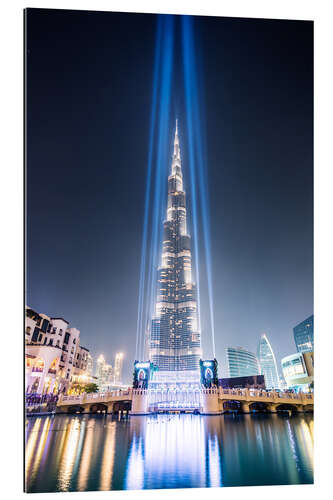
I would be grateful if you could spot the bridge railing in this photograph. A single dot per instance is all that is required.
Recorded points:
(256, 394)
(94, 396)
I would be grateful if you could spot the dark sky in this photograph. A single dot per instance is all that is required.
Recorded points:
(89, 87)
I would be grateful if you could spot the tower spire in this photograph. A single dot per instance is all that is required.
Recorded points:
(176, 162)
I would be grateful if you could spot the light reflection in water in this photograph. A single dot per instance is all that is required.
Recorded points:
(41, 446)
(108, 457)
(171, 450)
(30, 446)
(215, 473)
(68, 453)
(135, 468)
(86, 457)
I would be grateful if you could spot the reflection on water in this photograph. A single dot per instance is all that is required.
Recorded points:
(79, 453)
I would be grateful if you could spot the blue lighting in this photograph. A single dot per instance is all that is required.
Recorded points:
(198, 170)
(157, 171)
(148, 189)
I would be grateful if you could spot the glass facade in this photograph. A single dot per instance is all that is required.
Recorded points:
(175, 342)
(267, 363)
(303, 335)
(298, 370)
(241, 362)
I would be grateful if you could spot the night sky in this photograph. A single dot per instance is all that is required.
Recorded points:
(89, 88)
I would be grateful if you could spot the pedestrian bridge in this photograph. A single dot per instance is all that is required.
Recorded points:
(211, 401)
(250, 399)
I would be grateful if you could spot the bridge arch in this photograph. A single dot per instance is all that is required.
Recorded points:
(122, 406)
(258, 406)
(232, 405)
(98, 408)
(75, 409)
(285, 407)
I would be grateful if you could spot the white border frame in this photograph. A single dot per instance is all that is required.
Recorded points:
(11, 210)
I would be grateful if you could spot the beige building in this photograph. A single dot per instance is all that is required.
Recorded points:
(54, 358)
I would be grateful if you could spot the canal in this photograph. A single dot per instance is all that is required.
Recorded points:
(80, 453)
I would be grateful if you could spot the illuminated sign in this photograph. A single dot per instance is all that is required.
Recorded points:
(208, 372)
(142, 365)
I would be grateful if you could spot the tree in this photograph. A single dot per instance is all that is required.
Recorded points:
(91, 388)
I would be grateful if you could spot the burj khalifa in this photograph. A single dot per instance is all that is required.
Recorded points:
(175, 337)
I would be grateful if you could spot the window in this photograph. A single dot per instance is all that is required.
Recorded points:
(28, 330)
(67, 337)
(45, 325)
(51, 342)
(40, 337)
(35, 335)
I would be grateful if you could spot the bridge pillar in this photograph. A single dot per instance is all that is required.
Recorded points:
(139, 402)
(272, 407)
(110, 407)
(245, 407)
(210, 402)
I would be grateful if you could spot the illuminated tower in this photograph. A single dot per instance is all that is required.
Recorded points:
(118, 367)
(175, 344)
(267, 363)
(103, 373)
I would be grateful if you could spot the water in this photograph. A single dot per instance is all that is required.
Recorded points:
(79, 453)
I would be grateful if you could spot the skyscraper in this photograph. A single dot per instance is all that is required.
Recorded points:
(103, 374)
(267, 363)
(303, 335)
(118, 367)
(241, 362)
(175, 343)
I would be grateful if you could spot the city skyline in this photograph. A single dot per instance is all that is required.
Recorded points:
(82, 249)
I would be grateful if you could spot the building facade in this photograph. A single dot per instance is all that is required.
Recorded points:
(104, 374)
(118, 368)
(90, 365)
(175, 340)
(303, 335)
(298, 370)
(249, 382)
(54, 357)
(267, 363)
(241, 362)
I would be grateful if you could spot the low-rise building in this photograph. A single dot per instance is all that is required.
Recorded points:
(53, 354)
(249, 382)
